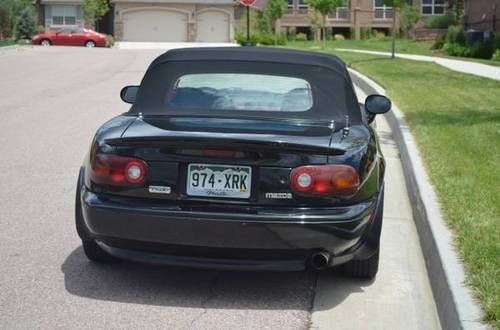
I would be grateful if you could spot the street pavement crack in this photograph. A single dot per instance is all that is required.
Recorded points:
(204, 303)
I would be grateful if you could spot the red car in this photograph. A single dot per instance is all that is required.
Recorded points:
(71, 36)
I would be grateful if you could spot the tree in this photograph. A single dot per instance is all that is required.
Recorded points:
(325, 7)
(396, 6)
(408, 18)
(94, 10)
(5, 26)
(275, 10)
(12, 10)
(26, 24)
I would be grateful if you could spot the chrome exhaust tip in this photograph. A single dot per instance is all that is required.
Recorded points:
(320, 260)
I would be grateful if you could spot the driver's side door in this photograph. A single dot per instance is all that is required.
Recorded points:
(63, 37)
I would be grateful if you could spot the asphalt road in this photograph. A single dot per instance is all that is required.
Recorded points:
(51, 102)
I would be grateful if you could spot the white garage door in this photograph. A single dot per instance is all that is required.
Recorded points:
(213, 26)
(158, 25)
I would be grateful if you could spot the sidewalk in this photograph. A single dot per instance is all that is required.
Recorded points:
(473, 68)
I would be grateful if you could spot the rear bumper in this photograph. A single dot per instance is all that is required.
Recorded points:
(258, 239)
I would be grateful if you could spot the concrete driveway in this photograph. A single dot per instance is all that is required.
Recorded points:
(51, 102)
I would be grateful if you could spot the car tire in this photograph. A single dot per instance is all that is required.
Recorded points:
(95, 253)
(45, 43)
(368, 268)
(90, 44)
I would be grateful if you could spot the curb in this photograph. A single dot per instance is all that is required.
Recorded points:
(455, 305)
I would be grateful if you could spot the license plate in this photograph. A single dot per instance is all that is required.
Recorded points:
(223, 181)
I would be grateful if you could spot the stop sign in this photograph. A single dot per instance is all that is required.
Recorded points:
(247, 2)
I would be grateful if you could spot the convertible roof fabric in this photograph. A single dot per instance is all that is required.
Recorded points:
(333, 95)
(254, 54)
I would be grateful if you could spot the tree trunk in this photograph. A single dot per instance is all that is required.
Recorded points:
(323, 27)
(393, 55)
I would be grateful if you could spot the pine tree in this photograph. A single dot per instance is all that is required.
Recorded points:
(26, 24)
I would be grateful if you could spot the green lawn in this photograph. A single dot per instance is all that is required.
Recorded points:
(404, 46)
(6, 42)
(455, 119)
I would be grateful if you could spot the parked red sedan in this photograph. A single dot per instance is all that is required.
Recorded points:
(71, 36)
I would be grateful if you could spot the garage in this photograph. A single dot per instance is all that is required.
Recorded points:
(155, 25)
(213, 26)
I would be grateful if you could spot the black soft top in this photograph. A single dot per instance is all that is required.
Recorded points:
(253, 54)
(333, 94)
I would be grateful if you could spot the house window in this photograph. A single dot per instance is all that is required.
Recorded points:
(290, 4)
(303, 6)
(341, 13)
(64, 15)
(381, 11)
(433, 7)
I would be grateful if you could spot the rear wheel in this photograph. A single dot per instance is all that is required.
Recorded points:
(45, 42)
(95, 253)
(368, 268)
(90, 44)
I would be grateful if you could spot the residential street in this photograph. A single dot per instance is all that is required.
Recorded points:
(51, 102)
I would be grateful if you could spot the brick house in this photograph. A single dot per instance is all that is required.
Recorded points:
(482, 15)
(356, 15)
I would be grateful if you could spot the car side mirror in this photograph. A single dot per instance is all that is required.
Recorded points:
(377, 105)
(129, 93)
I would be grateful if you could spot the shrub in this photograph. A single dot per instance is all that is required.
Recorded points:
(281, 40)
(483, 49)
(301, 37)
(338, 37)
(110, 41)
(241, 38)
(26, 24)
(456, 35)
(266, 39)
(381, 36)
(454, 49)
(366, 33)
(439, 42)
(496, 56)
(440, 22)
(409, 17)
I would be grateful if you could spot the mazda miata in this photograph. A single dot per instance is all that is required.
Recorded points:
(237, 158)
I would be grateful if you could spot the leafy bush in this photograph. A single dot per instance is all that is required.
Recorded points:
(456, 35)
(338, 37)
(439, 42)
(454, 49)
(440, 22)
(483, 49)
(266, 39)
(281, 40)
(301, 37)
(496, 56)
(110, 41)
(409, 17)
(26, 24)
(241, 38)
(380, 36)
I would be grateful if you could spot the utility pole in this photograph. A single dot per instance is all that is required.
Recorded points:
(248, 27)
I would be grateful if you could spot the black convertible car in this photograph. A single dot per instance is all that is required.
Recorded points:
(237, 158)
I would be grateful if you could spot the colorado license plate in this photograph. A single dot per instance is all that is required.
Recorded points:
(219, 181)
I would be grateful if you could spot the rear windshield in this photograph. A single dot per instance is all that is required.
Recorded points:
(247, 89)
(240, 92)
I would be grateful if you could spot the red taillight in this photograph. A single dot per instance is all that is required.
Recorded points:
(325, 180)
(117, 170)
